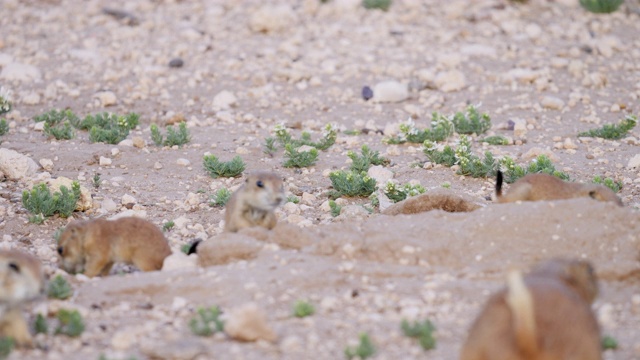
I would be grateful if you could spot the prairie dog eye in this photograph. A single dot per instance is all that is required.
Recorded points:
(60, 250)
(259, 184)
(15, 267)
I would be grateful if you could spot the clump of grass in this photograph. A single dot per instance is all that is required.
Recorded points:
(283, 137)
(220, 198)
(377, 4)
(615, 186)
(471, 121)
(364, 349)
(174, 137)
(423, 331)
(375, 202)
(541, 164)
(270, 146)
(6, 346)
(207, 321)
(108, 128)
(40, 325)
(352, 183)
(96, 180)
(5, 101)
(446, 185)
(70, 323)
(40, 201)
(446, 156)
(185, 248)
(496, 140)
(601, 6)
(296, 158)
(168, 225)
(367, 158)
(57, 234)
(609, 343)
(613, 131)
(293, 199)
(470, 164)
(335, 208)
(58, 123)
(303, 309)
(441, 128)
(217, 168)
(397, 193)
(4, 127)
(59, 288)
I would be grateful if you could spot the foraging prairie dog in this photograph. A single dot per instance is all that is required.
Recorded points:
(21, 280)
(93, 246)
(253, 204)
(535, 187)
(544, 316)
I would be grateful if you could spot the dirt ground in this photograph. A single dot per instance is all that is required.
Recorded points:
(250, 65)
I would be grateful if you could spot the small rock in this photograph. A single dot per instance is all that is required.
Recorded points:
(105, 161)
(16, 166)
(84, 203)
(634, 162)
(308, 199)
(108, 205)
(452, 80)
(183, 162)
(569, 144)
(536, 151)
(367, 93)
(128, 200)
(272, 18)
(106, 98)
(39, 126)
(176, 63)
(224, 100)
(182, 349)
(157, 165)
(138, 142)
(552, 102)
(380, 174)
(31, 98)
(248, 323)
(519, 128)
(46, 164)
(242, 150)
(20, 72)
(350, 212)
(390, 91)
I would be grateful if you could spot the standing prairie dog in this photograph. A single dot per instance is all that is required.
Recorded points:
(93, 246)
(535, 187)
(253, 204)
(544, 316)
(21, 280)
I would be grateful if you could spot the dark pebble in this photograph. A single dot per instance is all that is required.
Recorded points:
(176, 63)
(367, 93)
(510, 124)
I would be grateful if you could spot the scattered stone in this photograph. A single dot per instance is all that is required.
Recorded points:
(390, 91)
(569, 144)
(519, 128)
(20, 72)
(536, 151)
(634, 162)
(249, 323)
(552, 102)
(128, 200)
(176, 63)
(242, 150)
(137, 142)
(380, 173)
(367, 93)
(272, 18)
(157, 165)
(226, 248)
(182, 349)
(183, 162)
(31, 98)
(105, 161)
(106, 98)
(46, 164)
(108, 205)
(350, 212)
(16, 166)
(224, 100)
(449, 81)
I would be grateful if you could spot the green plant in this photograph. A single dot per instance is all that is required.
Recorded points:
(335, 208)
(40, 201)
(284, 138)
(446, 185)
(104, 357)
(156, 136)
(397, 193)
(541, 164)
(445, 157)
(6, 346)
(207, 321)
(299, 159)
(96, 180)
(364, 349)
(55, 117)
(168, 225)
(441, 128)
(303, 309)
(220, 198)
(423, 331)
(366, 159)
(40, 325)
(609, 343)
(352, 132)
(293, 199)
(470, 164)
(60, 132)
(601, 6)
(352, 183)
(108, 128)
(70, 323)
(179, 137)
(4, 127)
(615, 186)
(497, 140)
(185, 248)
(377, 4)
(5, 101)
(59, 288)
(375, 202)
(217, 168)
(270, 146)
(471, 121)
(613, 131)
(37, 219)
(57, 234)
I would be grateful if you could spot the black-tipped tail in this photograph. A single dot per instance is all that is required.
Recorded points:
(499, 184)
(193, 249)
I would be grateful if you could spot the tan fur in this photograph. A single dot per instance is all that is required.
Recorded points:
(21, 280)
(93, 246)
(557, 294)
(253, 205)
(536, 187)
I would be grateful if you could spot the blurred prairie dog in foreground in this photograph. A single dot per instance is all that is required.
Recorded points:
(535, 187)
(93, 246)
(544, 316)
(254, 203)
(21, 280)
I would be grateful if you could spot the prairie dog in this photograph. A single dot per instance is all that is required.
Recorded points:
(535, 187)
(253, 204)
(544, 316)
(21, 280)
(93, 246)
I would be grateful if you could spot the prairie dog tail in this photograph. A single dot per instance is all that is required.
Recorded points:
(499, 181)
(193, 247)
(520, 303)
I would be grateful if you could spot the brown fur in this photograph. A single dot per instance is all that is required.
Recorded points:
(536, 187)
(545, 316)
(254, 205)
(93, 246)
(21, 280)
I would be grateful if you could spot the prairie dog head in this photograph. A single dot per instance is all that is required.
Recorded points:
(71, 247)
(601, 193)
(264, 190)
(577, 274)
(21, 277)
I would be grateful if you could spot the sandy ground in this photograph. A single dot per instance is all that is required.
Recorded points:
(547, 64)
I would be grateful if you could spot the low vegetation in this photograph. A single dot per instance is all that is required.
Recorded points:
(497, 140)
(335, 208)
(601, 6)
(40, 325)
(168, 225)
(217, 168)
(207, 321)
(293, 199)
(42, 203)
(541, 164)
(351, 183)
(284, 137)
(471, 121)
(174, 137)
(367, 157)
(70, 323)
(59, 288)
(615, 186)
(396, 192)
(220, 198)
(364, 349)
(294, 157)
(303, 309)
(441, 128)
(613, 131)
(377, 4)
(609, 343)
(423, 331)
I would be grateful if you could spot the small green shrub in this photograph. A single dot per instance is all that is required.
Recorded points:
(168, 225)
(58, 124)
(156, 136)
(601, 6)
(4, 127)
(377, 4)
(441, 128)
(335, 208)
(60, 132)
(220, 198)
(57, 234)
(5, 101)
(613, 131)
(470, 164)
(375, 202)
(303, 309)
(284, 138)
(207, 321)
(541, 164)
(423, 331)
(217, 168)
(615, 186)
(366, 159)
(40, 325)
(70, 323)
(364, 349)
(446, 185)
(179, 137)
(40, 201)
(471, 121)
(293, 199)
(59, 288)
(37, 219)
(352, 183)
(445, 157)
(497, 140)
(609, 343)
(398, 193)
(299, 159)
(96, 180)
(109, 128)
(6, 346)
(270, 146)
(185, 248)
